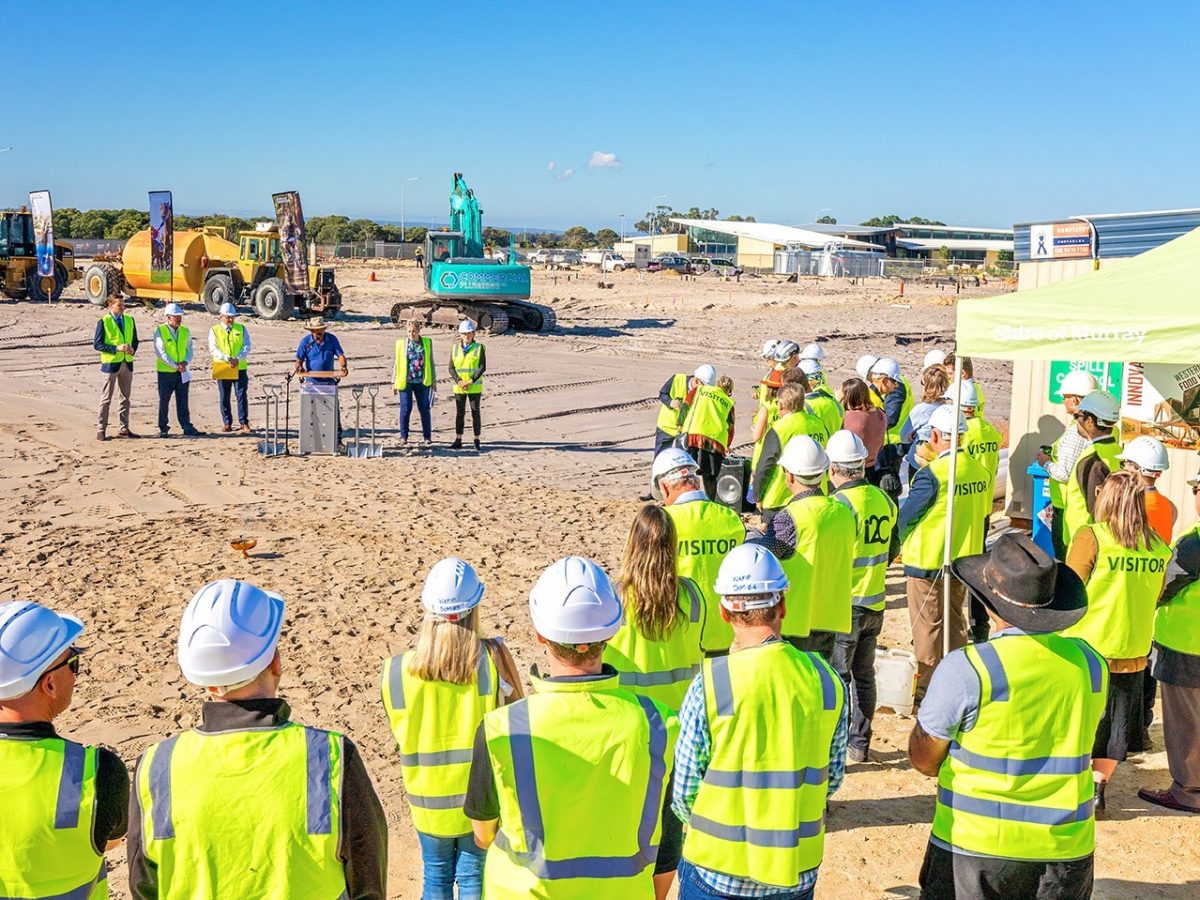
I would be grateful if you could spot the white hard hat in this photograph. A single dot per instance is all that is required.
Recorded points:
(452, 589)
(706, 373)
(466, 326)
(667, 461)
(228, 633)
(804, 457)
(1102, 405)
(933, 358)
(888, 367)
(31, 638)
(1146, 453)
(1078, 383)
(173, 309)
(863, 366)
(968, 394)
(813, 351)
(750, 569)
(574, 602)
(785, 350)
(768, 348)
(942, 420)
(810, 365)
(228, 309)
(846, 447)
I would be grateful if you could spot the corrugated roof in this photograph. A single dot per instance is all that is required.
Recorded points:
(954, 228)
(825, 228)
(952, 244)
(775, 234)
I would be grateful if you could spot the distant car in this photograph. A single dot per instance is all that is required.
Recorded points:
(540, 257)
(715, 264)
(566, 258)
(671, 261)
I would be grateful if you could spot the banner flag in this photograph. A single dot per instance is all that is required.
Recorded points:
(162, 237)
(43, 231)
(292, 241)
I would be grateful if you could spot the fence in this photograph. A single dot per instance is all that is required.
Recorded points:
(916, 269)
(368, 250)
(89, 247)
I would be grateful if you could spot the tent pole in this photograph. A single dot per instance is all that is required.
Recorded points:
(956, 388)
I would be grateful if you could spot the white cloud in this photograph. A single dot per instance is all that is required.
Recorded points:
(565, 174)
(601, 160)
(550, 166)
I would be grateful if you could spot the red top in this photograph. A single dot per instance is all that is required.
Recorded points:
(871, 426)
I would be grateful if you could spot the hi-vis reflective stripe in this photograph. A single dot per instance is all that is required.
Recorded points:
(1015, 812)
(534, 829)
(440, 758)
(1042, 765)
(483, 678)
(784, 779)
(319, 809)
(70, 786)
(995, 669)
(861, 562)
(758, 837)
(1094, 668)
(659, 679)
(693, 593)
(870, 600)
(828, 691)
(80, 893)
(453, 801)
(723, 690)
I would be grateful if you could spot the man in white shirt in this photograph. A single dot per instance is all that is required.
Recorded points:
(172, 356)
(229, 342)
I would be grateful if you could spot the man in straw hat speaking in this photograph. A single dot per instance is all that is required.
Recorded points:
(320, 351)
(1007, 728)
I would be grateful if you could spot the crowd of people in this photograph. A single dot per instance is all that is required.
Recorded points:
(695, 713)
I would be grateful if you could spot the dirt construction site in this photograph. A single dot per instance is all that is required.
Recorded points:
(122, 533)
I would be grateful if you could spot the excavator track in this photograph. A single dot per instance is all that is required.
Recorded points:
(492, 318)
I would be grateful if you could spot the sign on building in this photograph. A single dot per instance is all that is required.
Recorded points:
(1060, 240)
(1108, 374)
(1162, 401)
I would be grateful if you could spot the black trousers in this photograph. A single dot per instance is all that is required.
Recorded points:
(172, 384)
(956, 876)
(709, 463)
(662, 441)
(460, 413)
(854, 660)
(819, 642)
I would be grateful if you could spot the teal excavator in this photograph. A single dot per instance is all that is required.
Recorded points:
(460, 282)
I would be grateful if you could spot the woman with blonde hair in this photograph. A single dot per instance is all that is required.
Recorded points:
(657, 650)
(1123, 562)
(435, 696)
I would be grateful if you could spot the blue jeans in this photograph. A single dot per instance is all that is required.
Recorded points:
(420, 393)
(239, 388)
(446, 860)
(691, 887)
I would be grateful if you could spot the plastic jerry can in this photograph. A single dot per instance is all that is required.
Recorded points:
(896, 681)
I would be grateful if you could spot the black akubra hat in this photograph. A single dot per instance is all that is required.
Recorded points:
(1023, 585)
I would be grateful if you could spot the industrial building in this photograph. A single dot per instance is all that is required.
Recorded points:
(906, 240)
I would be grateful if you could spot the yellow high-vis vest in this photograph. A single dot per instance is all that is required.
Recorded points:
(1122, 592)
(1019, 783)
(893, 432)
(466, 366)
(176, 347)
(46, 841)
(1177, 622)
(1075, 502)
(827, 409)
(231, 342)
(982, 443)
(117, 337)
(662, 669)
(875, 514)
(434, 723)
(704, 532)
(760, 811)
(400, 379)
(668, 418)
(581, 769)
(709, 414)
(244, 813)
(925, 546)
(775, 492)
(819, 571)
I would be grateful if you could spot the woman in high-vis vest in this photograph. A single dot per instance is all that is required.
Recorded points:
(657, 650)
(1177, 668)
(468, 362)
(708, 426)
(435, 697)
(1124, 565)
(412, 380)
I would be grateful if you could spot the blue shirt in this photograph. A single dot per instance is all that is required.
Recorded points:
(319, 357)
(693, 752)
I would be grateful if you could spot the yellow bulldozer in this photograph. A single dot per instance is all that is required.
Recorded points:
(19, 277)
(210, 269)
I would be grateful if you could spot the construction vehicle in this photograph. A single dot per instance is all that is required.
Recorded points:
(464, 283)
(208, 268)
(19, 276)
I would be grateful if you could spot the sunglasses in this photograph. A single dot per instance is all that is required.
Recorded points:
(72, 662)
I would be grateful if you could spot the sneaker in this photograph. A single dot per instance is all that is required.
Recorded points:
(857, 754)
(427, 444)
(457, 445)
(161, 434)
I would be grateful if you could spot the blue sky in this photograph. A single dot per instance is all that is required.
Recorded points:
(563, 113)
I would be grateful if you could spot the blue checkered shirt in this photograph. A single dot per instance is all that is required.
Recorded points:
(692, 755)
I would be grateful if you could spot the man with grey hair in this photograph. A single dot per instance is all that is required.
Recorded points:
(875, 544)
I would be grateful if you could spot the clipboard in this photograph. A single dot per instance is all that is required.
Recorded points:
(223, 371)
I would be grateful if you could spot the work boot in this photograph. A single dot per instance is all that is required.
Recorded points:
(126, 433)
(101, 436)
(245, 428)
(1099, 804)
(457, 445)
(857, 754)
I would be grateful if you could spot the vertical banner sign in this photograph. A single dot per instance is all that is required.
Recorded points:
(292, 242)
(162, 237)
(43, 231)
(1163, 401)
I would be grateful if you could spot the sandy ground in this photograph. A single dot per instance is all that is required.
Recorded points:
(122, 533)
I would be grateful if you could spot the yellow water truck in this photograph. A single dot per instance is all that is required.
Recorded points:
(207, 268)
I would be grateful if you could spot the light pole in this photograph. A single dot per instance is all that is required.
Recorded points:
(403, 187)
(622, 228)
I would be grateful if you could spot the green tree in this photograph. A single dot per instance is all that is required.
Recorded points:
(64, 219)
(1004, 256)
(365, 230)
(496, 237)
(944, 253)
(827, 220)
(415, 234)
(92, 223)
(129, 223)
(577, 237)
(889, 221)
(606, 237)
